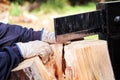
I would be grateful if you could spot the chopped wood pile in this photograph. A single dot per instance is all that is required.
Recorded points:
(79, 60)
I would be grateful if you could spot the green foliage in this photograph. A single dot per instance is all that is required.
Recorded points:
(63, 7)
(78, 2)
(15, 9)
(53, 5)
(56, 3)
(18, 1)
(78, 9)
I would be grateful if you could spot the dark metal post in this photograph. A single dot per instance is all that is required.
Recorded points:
(111, 33)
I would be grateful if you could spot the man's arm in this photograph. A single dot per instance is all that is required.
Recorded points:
(14, 33)
(9, 58)
(17, 33)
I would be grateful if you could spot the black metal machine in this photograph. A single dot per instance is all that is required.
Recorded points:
(105, 21)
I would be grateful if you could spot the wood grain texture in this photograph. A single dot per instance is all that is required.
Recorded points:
(31, 69)
(88, 60)
(78, 60)
(34, 69)
(58, 57)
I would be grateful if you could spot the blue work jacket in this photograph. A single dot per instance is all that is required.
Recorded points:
(9, 54)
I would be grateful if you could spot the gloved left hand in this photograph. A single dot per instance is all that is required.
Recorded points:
(34, 48)
(48, 37)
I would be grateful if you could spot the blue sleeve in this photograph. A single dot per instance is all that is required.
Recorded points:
(15, 33)
(9, 59)
(9, 56)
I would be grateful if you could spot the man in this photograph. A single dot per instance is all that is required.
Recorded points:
(18, 43)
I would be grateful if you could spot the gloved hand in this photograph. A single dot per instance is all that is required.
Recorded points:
(34, 48)
(48, 36)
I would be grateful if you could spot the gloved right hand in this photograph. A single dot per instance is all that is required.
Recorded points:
(35, 48)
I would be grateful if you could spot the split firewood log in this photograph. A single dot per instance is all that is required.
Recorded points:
(31, 69)
(88, 60)
(79, 60)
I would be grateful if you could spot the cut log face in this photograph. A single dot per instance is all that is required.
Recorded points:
(79, 60)
(88, 60)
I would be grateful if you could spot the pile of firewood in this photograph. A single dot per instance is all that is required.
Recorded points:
(79, 60)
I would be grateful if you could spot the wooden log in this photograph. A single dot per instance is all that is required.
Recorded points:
(59, 63)
(31, 69)
(79, 60)
(55, 66)
(88, 60)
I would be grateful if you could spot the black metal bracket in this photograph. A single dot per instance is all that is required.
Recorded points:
(111, 32)
(111, 15)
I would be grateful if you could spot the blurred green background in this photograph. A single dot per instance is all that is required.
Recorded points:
(39, 14)
(52, 6)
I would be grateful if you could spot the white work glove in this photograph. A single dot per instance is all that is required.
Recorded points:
(48, 36)
(35, 48)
